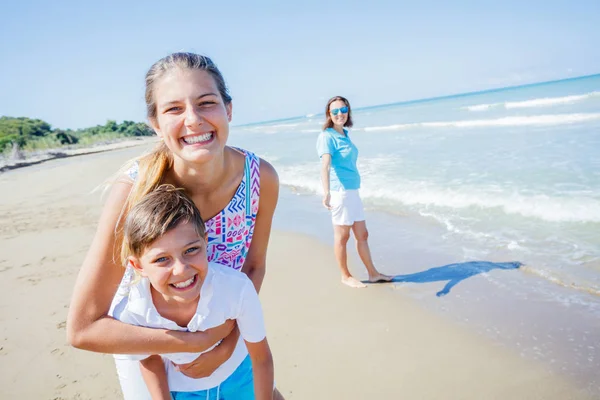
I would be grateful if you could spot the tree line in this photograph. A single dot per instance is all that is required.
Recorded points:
(35, 133)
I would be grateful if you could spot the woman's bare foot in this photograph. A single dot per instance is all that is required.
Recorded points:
(352, 282)
(380, 278)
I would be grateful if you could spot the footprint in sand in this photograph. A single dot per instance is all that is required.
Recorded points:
(32, 279)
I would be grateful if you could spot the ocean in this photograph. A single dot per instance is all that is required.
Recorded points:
(502, 175)
(516, 169)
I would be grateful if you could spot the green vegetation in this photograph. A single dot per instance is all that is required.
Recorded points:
(35, 134)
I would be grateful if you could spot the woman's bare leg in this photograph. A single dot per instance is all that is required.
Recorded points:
(361, 234)
(341, 234)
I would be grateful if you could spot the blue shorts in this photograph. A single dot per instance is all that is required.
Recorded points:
(239, 386)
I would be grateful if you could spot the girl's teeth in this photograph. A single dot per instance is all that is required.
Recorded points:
(184, 284)
(197, 139)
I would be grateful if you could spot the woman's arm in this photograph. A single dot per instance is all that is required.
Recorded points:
(256, 261)
(262, 369)
(88, 325)
(155, 377)
(325, 171)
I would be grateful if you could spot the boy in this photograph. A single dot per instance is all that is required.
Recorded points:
(165, 242)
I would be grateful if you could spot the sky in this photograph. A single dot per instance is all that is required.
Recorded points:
(77, 64)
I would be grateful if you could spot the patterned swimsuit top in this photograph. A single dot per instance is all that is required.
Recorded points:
(230, 231)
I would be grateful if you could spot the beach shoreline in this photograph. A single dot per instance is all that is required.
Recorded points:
(68, 151)
(513, 308)
(329, 341)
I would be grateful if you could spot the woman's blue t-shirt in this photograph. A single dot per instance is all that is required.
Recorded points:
(344, 173)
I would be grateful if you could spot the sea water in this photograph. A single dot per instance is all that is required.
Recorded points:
(503, 175)
(515, 170)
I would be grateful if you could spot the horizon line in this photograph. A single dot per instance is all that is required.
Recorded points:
(427, 99)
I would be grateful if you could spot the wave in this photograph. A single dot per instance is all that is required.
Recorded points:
(541, 102)
(567, 283)
(481, 107)
(551, 209)
(532, 120)
(310, 130)
(266, 128)
(422, 196)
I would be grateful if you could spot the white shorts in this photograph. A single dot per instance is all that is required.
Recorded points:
(346, 207)
(132, 383)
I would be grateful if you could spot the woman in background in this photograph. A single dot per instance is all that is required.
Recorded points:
(341, 181)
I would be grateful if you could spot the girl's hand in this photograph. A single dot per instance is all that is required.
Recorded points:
(326, 201)
(213, 335)
(207, 363)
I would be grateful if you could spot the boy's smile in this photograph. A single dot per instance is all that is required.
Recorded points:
(176, 265)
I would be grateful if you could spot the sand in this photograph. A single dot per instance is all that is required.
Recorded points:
(329, 341)
(38, 157)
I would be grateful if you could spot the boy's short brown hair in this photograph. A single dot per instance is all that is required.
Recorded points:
(157, 213)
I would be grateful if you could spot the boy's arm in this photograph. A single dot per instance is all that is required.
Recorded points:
(252, 328)
(155, 377)
(262, 369)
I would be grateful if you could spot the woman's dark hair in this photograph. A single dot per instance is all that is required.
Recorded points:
(328, 122)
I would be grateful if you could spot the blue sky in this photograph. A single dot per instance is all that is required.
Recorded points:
(78, 64)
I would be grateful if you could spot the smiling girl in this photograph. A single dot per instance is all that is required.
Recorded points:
(189, 108)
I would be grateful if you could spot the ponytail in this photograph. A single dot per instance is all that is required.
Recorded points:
(152, 168)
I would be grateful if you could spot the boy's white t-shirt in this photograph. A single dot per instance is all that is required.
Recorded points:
(225, 294)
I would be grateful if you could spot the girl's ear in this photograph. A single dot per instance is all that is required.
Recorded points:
(136, 265)
(155, 127)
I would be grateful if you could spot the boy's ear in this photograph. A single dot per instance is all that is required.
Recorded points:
(135, 264)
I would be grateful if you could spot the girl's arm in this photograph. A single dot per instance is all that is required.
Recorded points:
(256, 261)
(254, 267)
(262, 369)
(88, 325)
(155, 377)
(325, 171)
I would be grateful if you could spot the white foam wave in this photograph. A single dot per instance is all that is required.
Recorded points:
(423, 196)
(531, 120)
(550, 101)
(305, 176)
(553, 209)
(269, 129)
(562, 281)
(480, 107)
(541, 102)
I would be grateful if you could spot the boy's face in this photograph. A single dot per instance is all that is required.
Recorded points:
(176, 264)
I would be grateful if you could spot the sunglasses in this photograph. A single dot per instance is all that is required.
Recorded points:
(336, 111)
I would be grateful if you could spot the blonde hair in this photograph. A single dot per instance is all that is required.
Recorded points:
(154, 215)
(153, 166)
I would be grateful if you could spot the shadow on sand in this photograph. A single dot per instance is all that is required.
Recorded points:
(453, 273)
